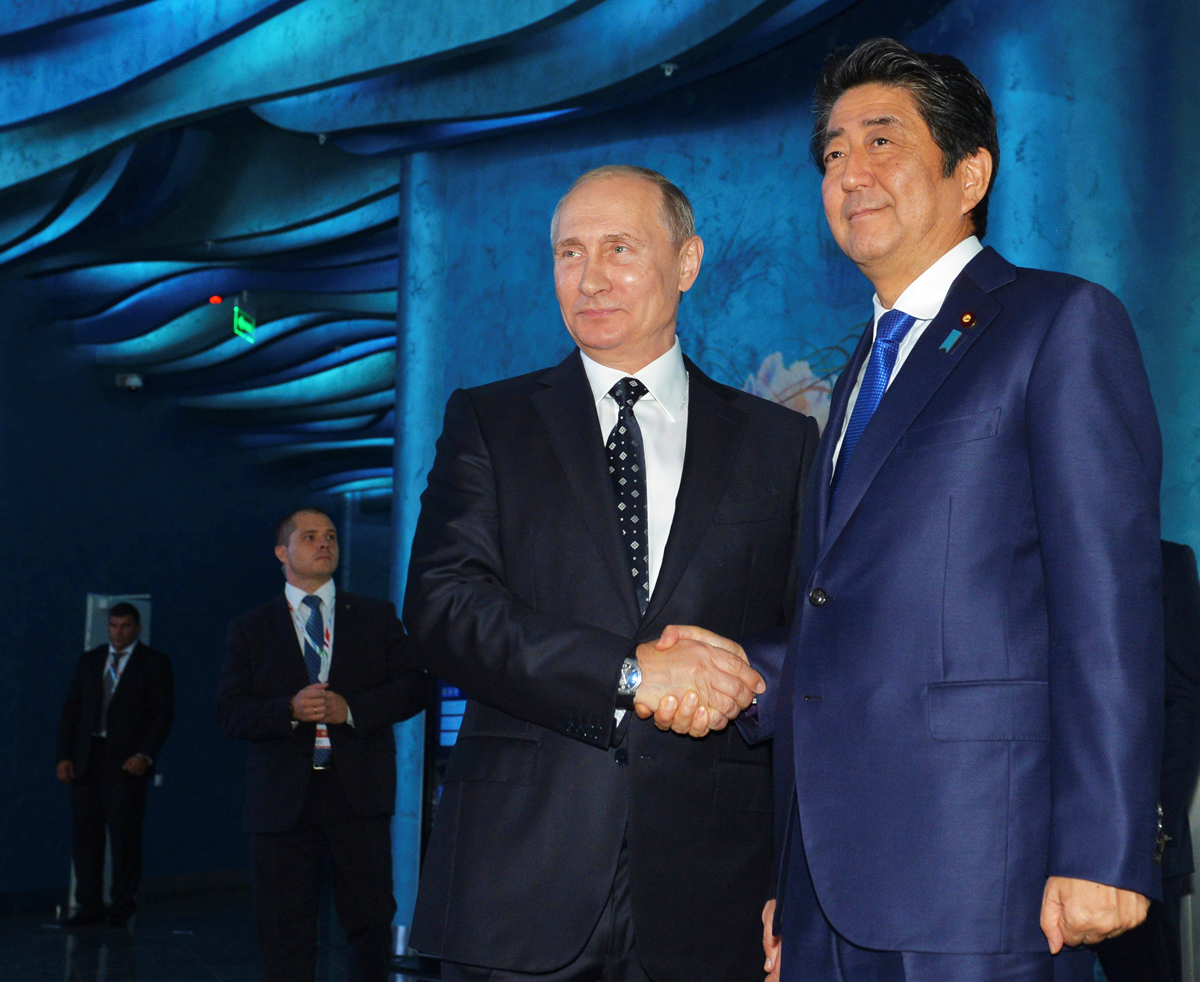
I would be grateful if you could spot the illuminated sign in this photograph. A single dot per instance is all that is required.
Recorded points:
(243, 324)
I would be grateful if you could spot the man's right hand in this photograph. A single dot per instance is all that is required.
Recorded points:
(712, 684)
(65, 771)
(308, 705)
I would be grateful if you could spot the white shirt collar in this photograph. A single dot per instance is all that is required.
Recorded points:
(116, 656)
(925, 295)
(665, 379)
(295, 596)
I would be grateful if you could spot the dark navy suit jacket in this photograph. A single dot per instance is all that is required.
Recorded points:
(373, 669)
(970, 698)
(519, 593)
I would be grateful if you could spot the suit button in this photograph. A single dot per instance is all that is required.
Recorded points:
(816, 596)
(622, 756)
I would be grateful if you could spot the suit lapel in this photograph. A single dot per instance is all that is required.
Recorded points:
(927, 366)
(714, 430)
(821, 476)
(568, 413)
(343, 637)
(283, 636)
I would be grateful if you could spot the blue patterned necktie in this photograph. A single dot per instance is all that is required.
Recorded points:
(889, 333)
(627, 468)
(314, 642)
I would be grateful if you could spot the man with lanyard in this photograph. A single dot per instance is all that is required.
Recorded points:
(321, 770)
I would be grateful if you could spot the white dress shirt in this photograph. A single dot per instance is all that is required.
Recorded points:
(661, 415)
(922, 299)
(326, 593)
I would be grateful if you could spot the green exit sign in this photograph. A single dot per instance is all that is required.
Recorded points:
(243, 325)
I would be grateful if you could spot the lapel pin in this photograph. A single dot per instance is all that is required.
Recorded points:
(950, 339)
(967, 319)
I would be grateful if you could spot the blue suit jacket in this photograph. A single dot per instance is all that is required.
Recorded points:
(970, 698)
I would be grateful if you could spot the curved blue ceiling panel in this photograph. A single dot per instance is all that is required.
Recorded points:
(313, 356)
(379, 401)
(87, 201)
(24, 15)
(79, 61)
(384, 211)
(375, 373)
(23, 211)
(531, 72)
(233, 347)
(312, 44)
(292, 451)
(380, 484)
(272, 295)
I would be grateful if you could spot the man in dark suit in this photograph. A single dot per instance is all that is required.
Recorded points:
(570, 515)
(967, 714)
(1152, 952)
(314, 680)
(117, 715)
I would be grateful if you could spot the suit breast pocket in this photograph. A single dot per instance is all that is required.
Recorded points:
(961, 429)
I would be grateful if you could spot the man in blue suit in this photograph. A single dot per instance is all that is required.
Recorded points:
(967, 711)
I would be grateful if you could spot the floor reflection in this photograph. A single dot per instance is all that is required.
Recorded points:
(205, 937)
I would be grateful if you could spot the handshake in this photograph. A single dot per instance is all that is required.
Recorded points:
(694, 681)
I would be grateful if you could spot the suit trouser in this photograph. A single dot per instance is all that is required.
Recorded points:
(610, 954)
(813, 951)
(107, 797)
(287, 868)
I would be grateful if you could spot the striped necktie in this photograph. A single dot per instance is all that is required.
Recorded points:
(314, 643)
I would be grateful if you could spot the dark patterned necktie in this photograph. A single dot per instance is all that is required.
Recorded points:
(890, 331)
(314, 641)
(627, 468)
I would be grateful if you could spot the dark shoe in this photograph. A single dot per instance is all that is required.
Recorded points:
(85, 918)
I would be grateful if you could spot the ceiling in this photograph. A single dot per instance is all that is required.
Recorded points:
(158, 155)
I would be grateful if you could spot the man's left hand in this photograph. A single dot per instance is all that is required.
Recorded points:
(136, 765)
(336, 710)
(1077, 912)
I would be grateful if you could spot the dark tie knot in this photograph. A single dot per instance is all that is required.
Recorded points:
(312, 601)
(628, 391)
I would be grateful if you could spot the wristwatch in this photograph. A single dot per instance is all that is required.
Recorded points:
(631, 678)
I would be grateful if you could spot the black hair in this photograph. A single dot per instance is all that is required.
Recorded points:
(124, 609)
(952, 102)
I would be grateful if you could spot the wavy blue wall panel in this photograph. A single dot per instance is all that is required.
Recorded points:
(89, 57)
(373, 373)
(24, 15)
(312, 44)
(530, 72)
(76, 210)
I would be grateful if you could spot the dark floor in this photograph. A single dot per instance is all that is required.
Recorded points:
(203, 937)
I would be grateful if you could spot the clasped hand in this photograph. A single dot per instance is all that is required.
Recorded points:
(316, 704)
(694, 681)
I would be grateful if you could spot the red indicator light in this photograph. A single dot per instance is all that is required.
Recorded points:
(214, 299)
